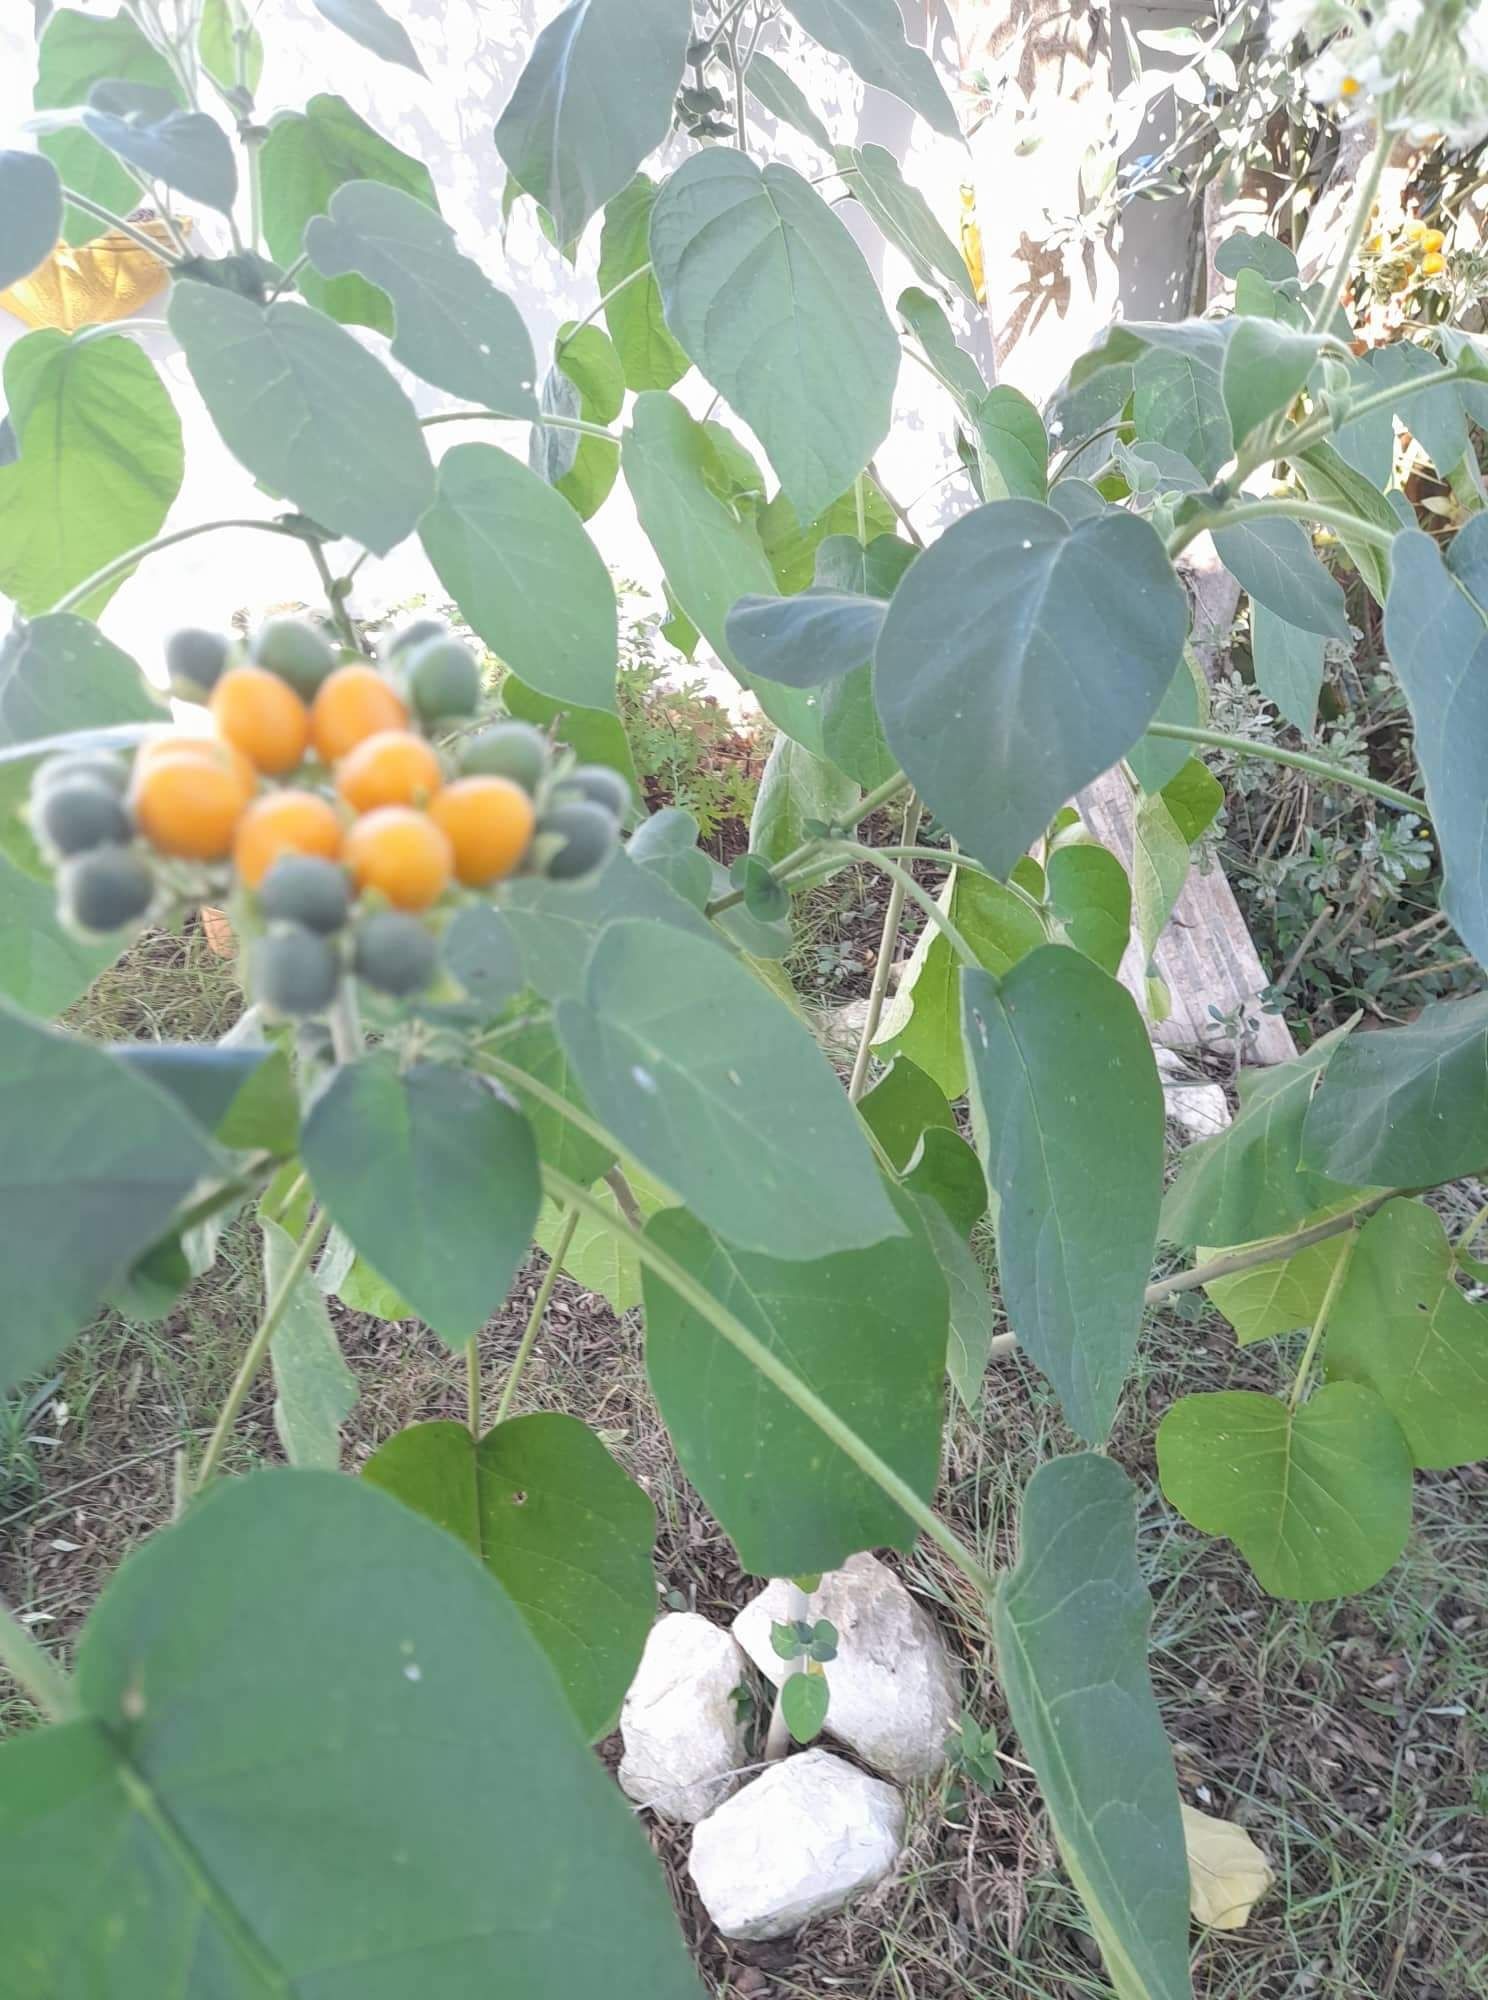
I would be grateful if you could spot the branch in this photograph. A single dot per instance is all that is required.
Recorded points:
(1296, 760)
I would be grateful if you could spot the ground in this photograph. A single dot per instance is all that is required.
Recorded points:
(1348, 1738)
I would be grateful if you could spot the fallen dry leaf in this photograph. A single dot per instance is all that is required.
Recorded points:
(1227, 1873)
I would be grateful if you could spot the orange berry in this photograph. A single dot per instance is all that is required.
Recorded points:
(189, 804)
(392, 768)
(211, 747)
(403, 854)
(353, 704)
(489, 822)
(1433, 263)
(263, 716)
(1433, 239)
(284, 822)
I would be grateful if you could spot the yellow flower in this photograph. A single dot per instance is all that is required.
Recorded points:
(1349, 87)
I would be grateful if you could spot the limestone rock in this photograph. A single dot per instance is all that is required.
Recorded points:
(1197, 1108)
(895, 1692)
(795, 1844)
(683, 1737)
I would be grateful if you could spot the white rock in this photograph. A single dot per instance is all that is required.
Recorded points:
(1198, 1109)
(684, 1740)
(794, 1844)
(895, 1693)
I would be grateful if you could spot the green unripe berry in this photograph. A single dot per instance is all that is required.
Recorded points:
(77, 815)
(443, 679)
(395, 954)
(195, 661)
(414, 633)
(306, 889)
(105, 890)
(295, 971)
(589, 835)
(296, 652)
(512, 750)
(98, 767)
(603, 786)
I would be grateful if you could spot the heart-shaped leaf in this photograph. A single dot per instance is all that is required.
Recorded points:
(30, 213)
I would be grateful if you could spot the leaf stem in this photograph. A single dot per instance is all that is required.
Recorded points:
(101, 214)
(640, 271)
(911, 888)
(1276, 1251)
(1320, 1324)
(1316, 429)
(1384, 145)
(335, 598)
(33, 1669)
(810, 849)
(887, 938)
(539, 1309)
(545, 1094)
(1296, 510)
(547, 420)
(473, 1386)
(81, 592)
(1296, 760)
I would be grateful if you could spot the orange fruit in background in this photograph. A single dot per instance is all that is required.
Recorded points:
(392, 768)
(402, 853)
(353, 704)
(263, 716)
(284, 822)
(489, 823)
(211, 747)
(189, 804)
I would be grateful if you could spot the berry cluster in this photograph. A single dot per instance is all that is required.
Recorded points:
(342, 806)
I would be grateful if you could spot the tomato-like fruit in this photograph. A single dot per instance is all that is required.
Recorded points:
(353, 704)
(489, 822)
(262, 716)
(401, 854)
(291, 821)
(392, 768)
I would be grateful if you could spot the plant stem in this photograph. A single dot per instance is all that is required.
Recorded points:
(534, 1087)
(289, 276)
(912, 889)
(1233, 1262)
(1320, 1324)
(128, 229)
(640, 271)
(347, 1039)
(33, 1669)
(84, 590)
(887, 939)
(624, 1194)
(797, 1608)
(316, 1230)
(1297, 510)
(473, 1386)
(1296, 760)
(865, 808)
(860, 498)
(548, 421)
(1316, 429)
(535, 1317)
(1384, 145)
(775, 1371)
(334, 598)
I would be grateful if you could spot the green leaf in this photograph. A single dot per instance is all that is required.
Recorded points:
(1402, 1328)
(1166, 825)
(1013, 447)
(452, 325)
(1368, 443)
(1406, 1106)
(344, 446)
(792, 549)
(904, 1104)
(905, 218)
(59, 673)
(305, 158)
(361, 1290)
(1068, 1110)
(370, 25)
(1274, 562)
(925, 318)
(479, 952)
(1071, 1625)
(666, 841)
(239, 1093)
(804, 1699)
(557, 923)
(100, 463)
(78, 50)
(945, 1170)
(1021, 658)
(972, 1315)
(1155, 761)
(600, 1258)
(648, 354)
(43, 968)
(778, 93)
(1091, 899)
(516, 560)
(767, 291)
(433, 1177)
(1329, 479)
(1277, 1298)
(1434, 419)
(720, 1091)
(626, 55)
(30, 213)
(215, 44)
(144, 126)
(794, 789)
(851, 733)
(537, 1050)
(96, 1163)
(561, 1528)
(1317, 1500)
(585, 381)
(865, 1329)
(1243, 251)
(283, 1700)
(595, 735)
(869, 35)
(818, 635)
(1177, 401)
(1437, 636)
(1288, 666)
(1266, 365)
(314, 1390)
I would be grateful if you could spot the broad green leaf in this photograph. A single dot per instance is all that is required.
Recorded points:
(1068, 1110)
(624, 55)
(283, 1701)
(96, 1163)
(818, 635)
(1317, 1500)
(1437, 636)
(1012, 446)
(1266, 365)
(369, 24)
(557, 923)
(865, 1330)
(537, 1050)
(902, 1106)
(1177, 401)
(30, 213)
(796, 787)
(1288, 666)
(595, 735)
(1164, 829)
(344, 446)
(1077, 501)
(1274, 562)
(666, 841)
(78, 50)
(1071, 1624)
(1092, 901)
(1248, 1182)
(721, 1092)
(778, 93)
(648, 354)
(851, 733)
(1406, 1106)
(561, 1528)
(869, 35)
(314, 1390)
(944, 1169)
(972, 1315)
(479, 952)
(1434, 419)
(145, 127)
(1328, 478)
(433, 1177)
(1157, 760)
(585, 381)
(767, 291)
(43, 968)
(1368, 443)
(904, 216)
(1401, 1326)
(600, 1258)
(792, 548)
(1270, 1299)
(515, 558)
(1021, 658)
(804, 1700)
(452, 326)
(925, 318)
(59, 673)
(1244, 251)
(361, 1290)
(241, 1093)
(100, 463)
(306, 157)
(216, 45)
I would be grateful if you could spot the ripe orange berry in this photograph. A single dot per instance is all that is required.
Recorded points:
(263, 716)
(392, 768)
(280, 823)
(211, 747)
(1433, 263)
(489, 823)
(403, 854)
(189, 804)
(353, 704)
(1433, 239)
